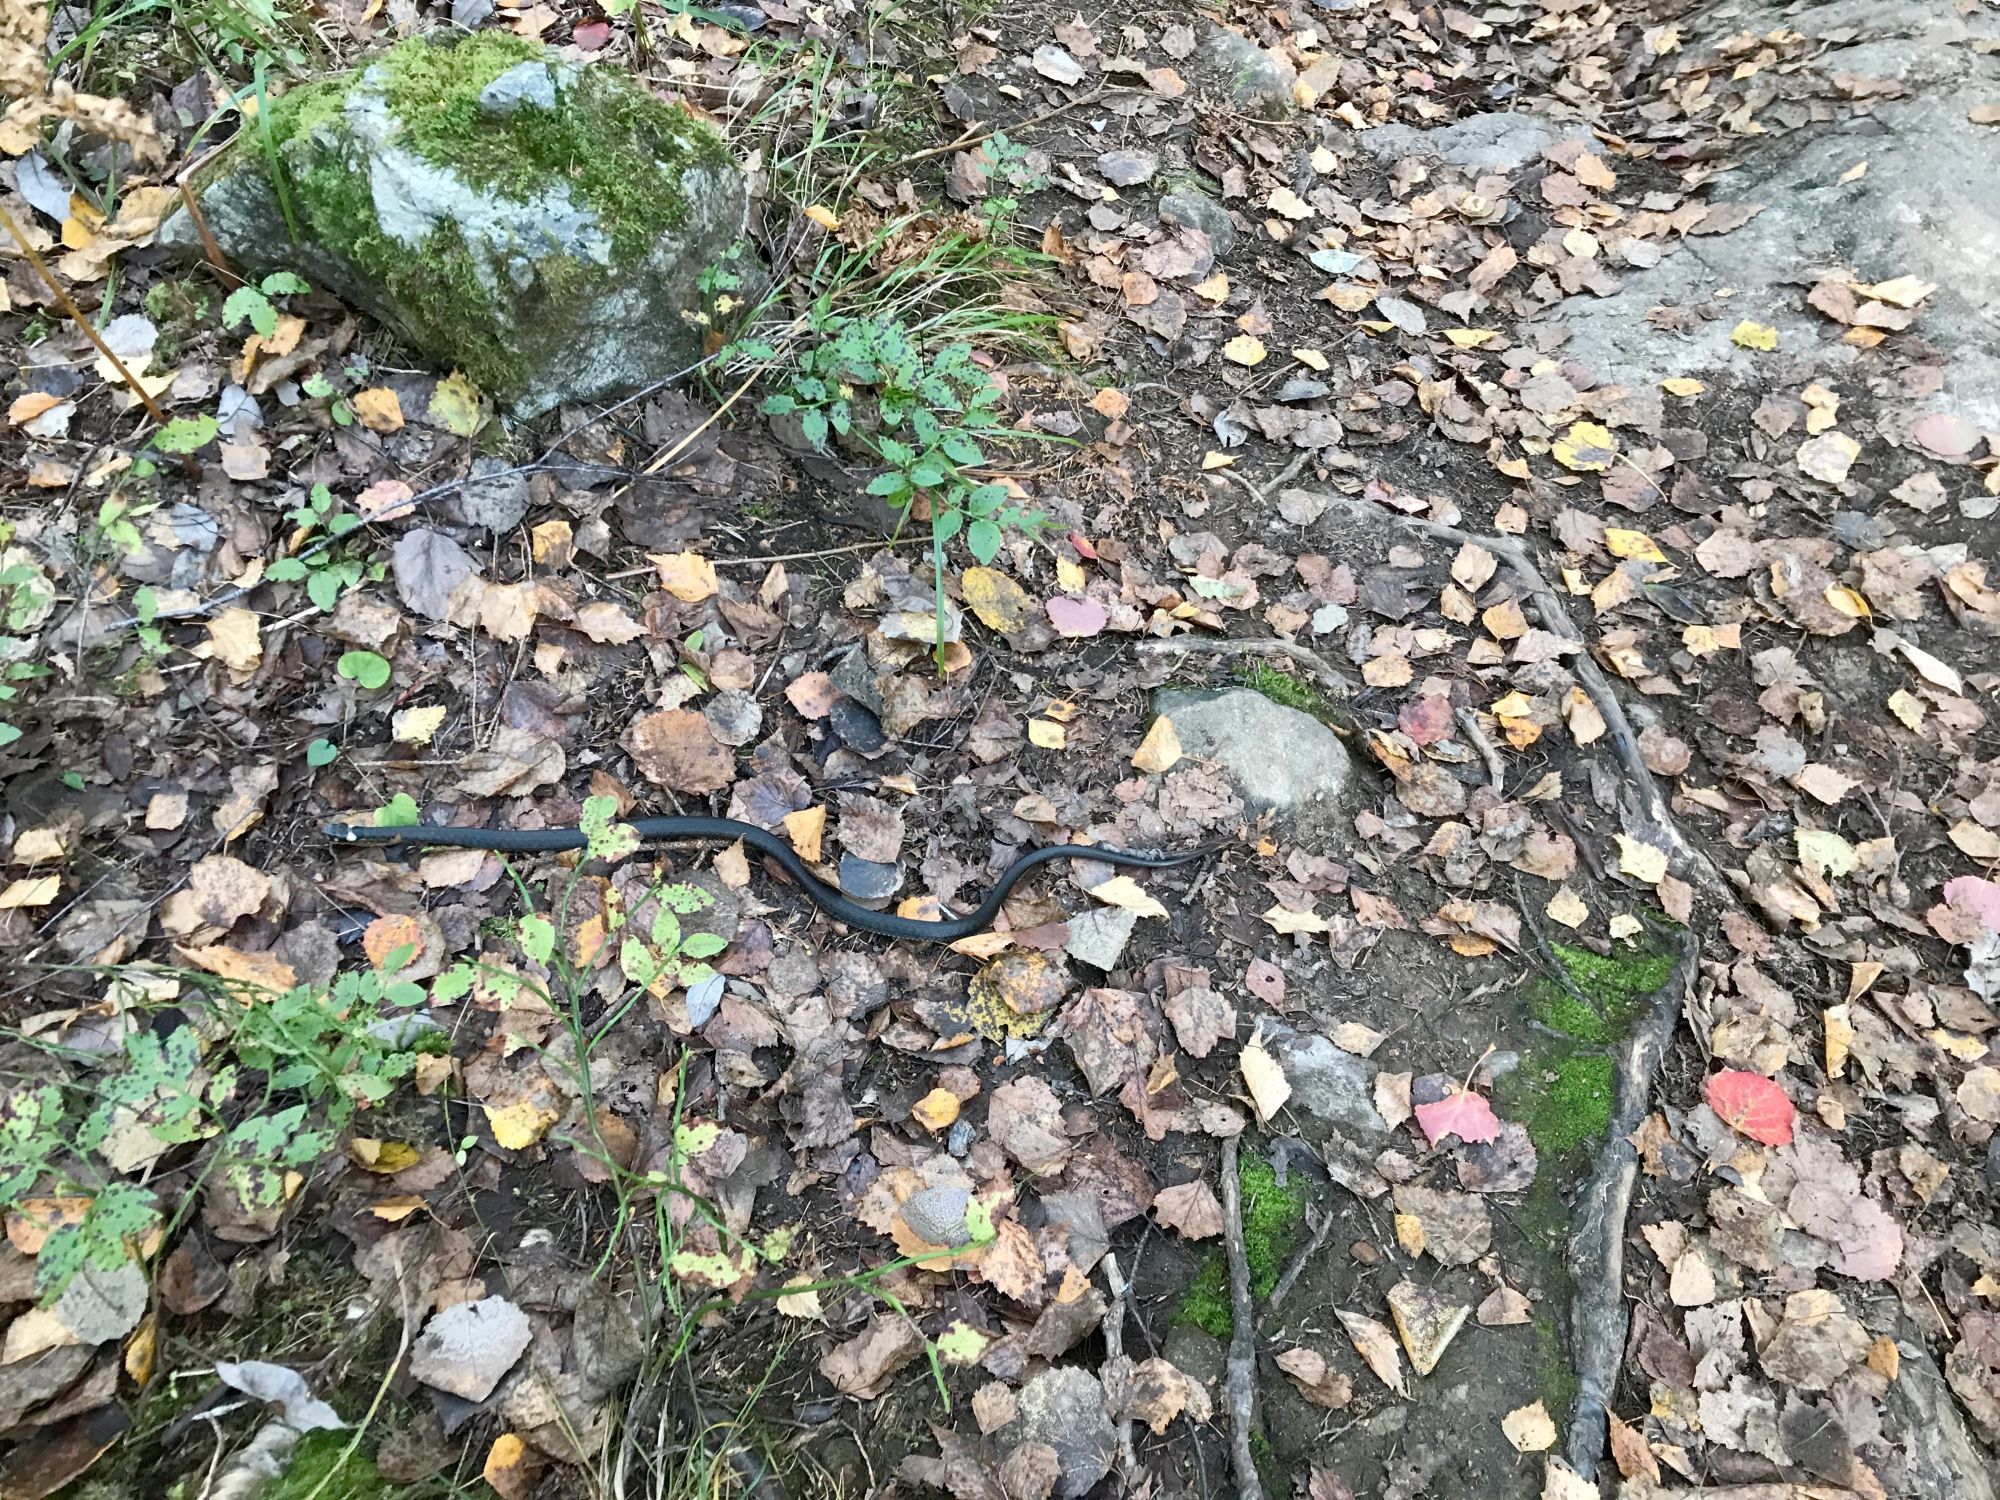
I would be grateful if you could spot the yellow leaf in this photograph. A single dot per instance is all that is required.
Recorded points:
(936, 1110)
(1312, 359)
(1587, 447)
(378, 409)
(1682, 385)
(1284, 201)
(398, 1207)
(234, 637)
(801, 1304)
(384, 1157)
(34, 846)
(1529, 1428)
(1846, 601)
(1244, 349)
(1214, 460)
(455, 405)
(1568, 908)
(1751, 335)
(1855, 173)
(415, 726)
(1215, 289)
(519, 1125)
(141, 1349)
(1123, 890)
(1000, 602)
(1047, 734)
(507, 1467)
(688, 576)
(1409, 1234)
(1070, 577)
(823, 216)
(805, 828)
(1635, 546)
(1160, 749)
(1907, 707)
(34, 890)
(1641, 860)
(1471, 338)
(552, 542)
(1269, 1088)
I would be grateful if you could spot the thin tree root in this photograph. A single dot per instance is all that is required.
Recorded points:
(1114, 1354)
(1329, 677)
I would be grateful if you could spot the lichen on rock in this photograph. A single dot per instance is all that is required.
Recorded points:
(538, 224)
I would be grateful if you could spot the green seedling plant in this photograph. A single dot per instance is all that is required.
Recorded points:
(24, 597)
(284, 1075)
(328, 571)
(926, 417)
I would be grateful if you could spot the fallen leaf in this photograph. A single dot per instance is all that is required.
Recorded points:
(1462, 1113)
(378, 409)
(1190, 1208)
(1377, 1348)
(1754, 335)
(1269, 1088)
(688, 576)
(1529, 1428)
(1752, 1105)
(1000, 603)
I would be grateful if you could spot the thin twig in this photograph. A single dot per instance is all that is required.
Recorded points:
(782, 557)
(63, 301)
(976, 136)
(1496, 776)
(1262, 492)
(1329, 677)
(1242, 1380)
(1114, 1351)
(1321, 1231)
(209, 248)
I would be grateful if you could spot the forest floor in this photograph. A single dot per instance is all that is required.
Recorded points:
(1585, 412)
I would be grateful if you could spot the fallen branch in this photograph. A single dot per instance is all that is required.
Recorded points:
(1496, 776)
(1298, 1262)
(1329, 677)
(1242, 1379)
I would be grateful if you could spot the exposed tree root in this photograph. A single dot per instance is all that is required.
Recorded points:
(1242, 1380)
(1329, 676)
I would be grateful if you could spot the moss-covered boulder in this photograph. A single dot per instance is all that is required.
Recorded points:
(537, 224)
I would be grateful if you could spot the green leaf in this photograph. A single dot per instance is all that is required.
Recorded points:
(317, 386)
(146, 605)
(185, 434)
(285, 570)
(248, 302)
(400, 811)
(454, 983)
(666, 930)
(364, 668)
(702, 945)
(284, 283)
(323, 588)
(982, 540)
(321, 753)
(538, 937)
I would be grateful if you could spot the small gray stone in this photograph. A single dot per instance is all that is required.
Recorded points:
(1097, 937)
(467, 1349)
(1128, 168)
(856, 726)
(1064, 1408)
(497, 503)
(1195, 210)
(867, 879)
(733, 718)
(1284, 761)
(1328, 1084)
(528, 85)
(1479, 143)
(1230, 65)
(937, 1215)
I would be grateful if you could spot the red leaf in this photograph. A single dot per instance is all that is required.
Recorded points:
(591, 36)
(1082, 544)
(1752, 1105)
(1426, 720)
(1461, 1113)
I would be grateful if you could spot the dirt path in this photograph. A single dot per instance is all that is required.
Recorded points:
(1579, 429)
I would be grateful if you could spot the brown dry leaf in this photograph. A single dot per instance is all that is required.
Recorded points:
(507, 611)
(805, 828)
(234, 636)
(675, 748)
(1316, 1381)
(1377, 1347)
(1025, 1121)
(864, 1365)
(1632, 1453)
(260, 971)
(607, 624)
(1529, 1428)
(813, 695)
(1269, 1088)
(1191, 1208)
(1473, 567)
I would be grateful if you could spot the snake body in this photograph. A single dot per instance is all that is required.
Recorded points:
(728, 830)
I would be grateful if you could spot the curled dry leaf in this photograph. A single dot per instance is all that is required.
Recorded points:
(1190, 1208)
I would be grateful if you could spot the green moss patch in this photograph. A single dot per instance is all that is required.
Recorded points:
(1284, 688)
(1562, 1094)
(317, 1470)
(1271, 1219)
(1604, 994)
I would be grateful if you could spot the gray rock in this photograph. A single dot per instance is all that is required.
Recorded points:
(1127, 167)
(1097, 937)
(1328, 1084)
(1196, 210)
(528, 85)
(467, 1349)
(1284, 761)
(1064, 1407)
(1909, 215)
(498, 503)
(541, 292)
(1479, 143)
(937, 1215)
(1230, 66)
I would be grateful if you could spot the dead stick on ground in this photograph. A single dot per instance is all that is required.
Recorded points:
(973, 138)
(1293, 1271)
(1495, 775)
(1114, 1350)
(1328, 676)
(1242, 1381)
